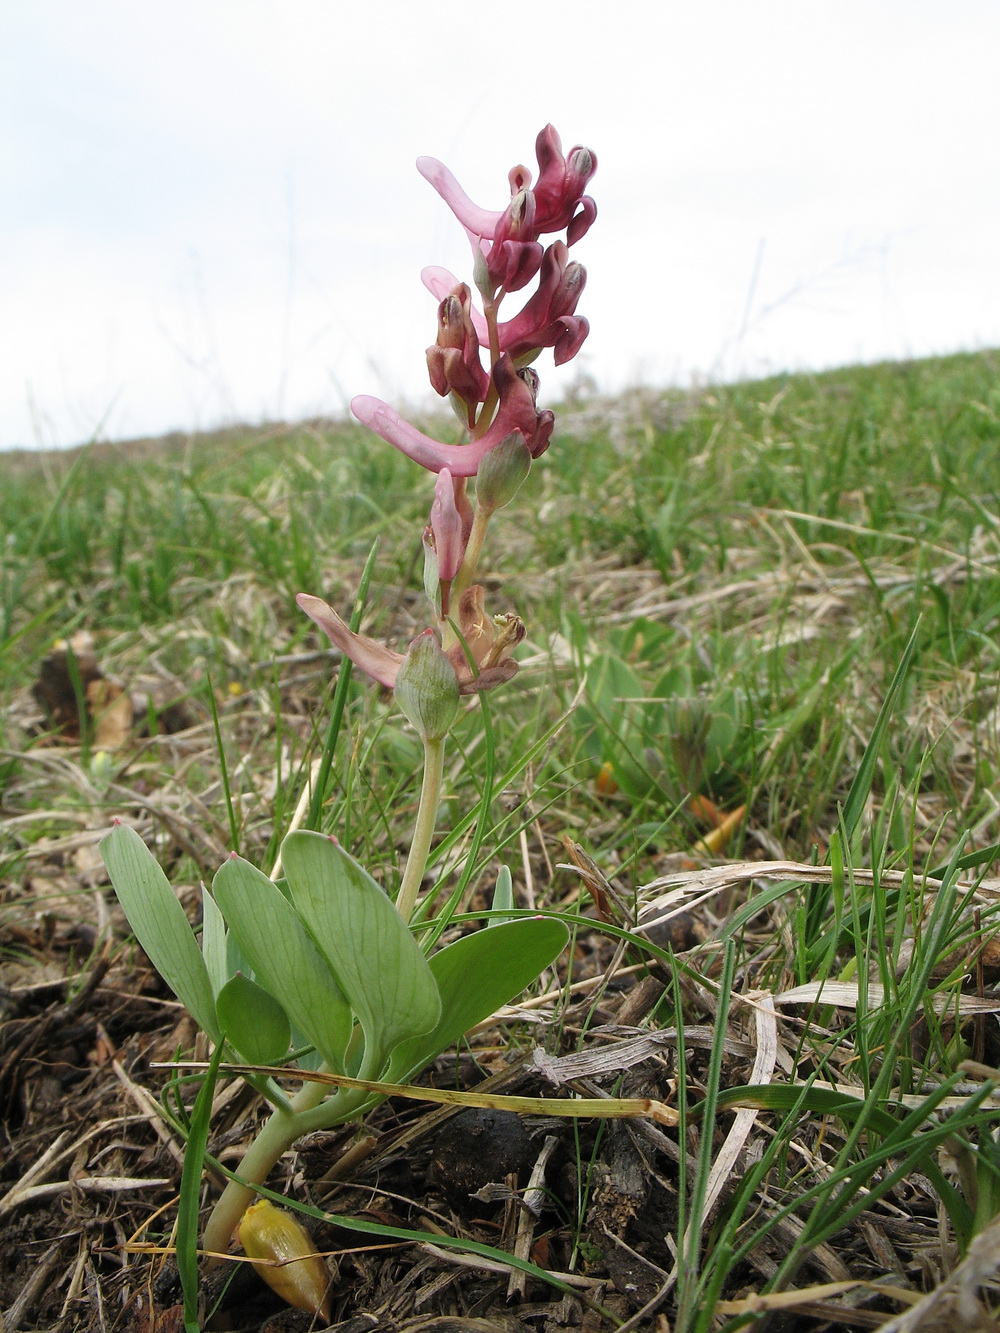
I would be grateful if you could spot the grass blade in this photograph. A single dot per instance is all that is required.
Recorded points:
(187, 1208)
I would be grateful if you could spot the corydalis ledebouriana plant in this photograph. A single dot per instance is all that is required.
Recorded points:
(327, 965)
(482, 364)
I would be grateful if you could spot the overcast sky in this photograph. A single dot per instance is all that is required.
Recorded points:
(210, 210)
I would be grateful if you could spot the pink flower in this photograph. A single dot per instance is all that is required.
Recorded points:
(489, 642)
(453, 362)
(560, 186)
(517, 412)
(547, 318)
(558, 198)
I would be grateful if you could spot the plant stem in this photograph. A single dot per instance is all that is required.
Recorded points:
(277, 1135)
(310, 1112)
(423, 829)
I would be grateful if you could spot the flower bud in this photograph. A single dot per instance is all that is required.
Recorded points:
(427, 688)
(581, 164)
(270, 1233)
(446, 525)
(502, 472)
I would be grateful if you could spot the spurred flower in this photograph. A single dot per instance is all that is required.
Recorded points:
(490, 643)
(558, 201)
(517, 411)
(560, 185)
(453, 362)
(547, 318)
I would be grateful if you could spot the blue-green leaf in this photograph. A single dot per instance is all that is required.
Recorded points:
(159, 923)
(376, 960)
(475, 976)
(503, 896)
(284, 959)
(213, 942)
(253, 1021)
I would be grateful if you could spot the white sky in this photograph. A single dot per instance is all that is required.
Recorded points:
(210, 212)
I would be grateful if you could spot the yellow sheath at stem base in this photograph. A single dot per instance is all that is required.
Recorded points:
(293, 1268)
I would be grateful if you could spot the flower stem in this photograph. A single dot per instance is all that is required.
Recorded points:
(473, 551)
(423, 829)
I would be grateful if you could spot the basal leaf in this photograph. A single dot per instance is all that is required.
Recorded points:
(213, 942)
(253, 1021)
(475, 976)
(376, 960)
(284, 959)
(159, 923)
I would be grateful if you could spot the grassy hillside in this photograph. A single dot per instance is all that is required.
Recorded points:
(761, 551)
(720, 589)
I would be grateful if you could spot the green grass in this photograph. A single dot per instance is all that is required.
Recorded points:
(725, 584)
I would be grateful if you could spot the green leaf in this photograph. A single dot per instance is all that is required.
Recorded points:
(284, 959)
(159, 923)
(610, 681)
(503, 897)
(213, 942)
(378, 963)
(253, 1021)
(476, 976)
